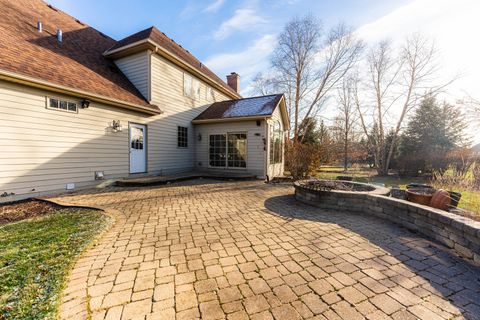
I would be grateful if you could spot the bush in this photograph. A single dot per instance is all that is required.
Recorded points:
(409, 166)
(466, 177)
(301, 159)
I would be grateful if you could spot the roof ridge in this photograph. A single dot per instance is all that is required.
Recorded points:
(254, 97)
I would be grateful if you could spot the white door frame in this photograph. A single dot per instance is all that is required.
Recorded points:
(135, 162)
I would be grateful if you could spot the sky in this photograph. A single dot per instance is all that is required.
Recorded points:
(239, 35)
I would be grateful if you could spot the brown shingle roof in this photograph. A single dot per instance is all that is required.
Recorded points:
(77, 62)
(172, 47)
(240, 108)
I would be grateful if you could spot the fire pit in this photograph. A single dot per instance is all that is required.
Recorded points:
(328, 193)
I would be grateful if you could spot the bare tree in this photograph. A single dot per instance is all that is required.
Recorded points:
(310, 64)
(339, 55)
(293, 59)
(263, 85)
(397, 79)
(472, 106)
(347, 116)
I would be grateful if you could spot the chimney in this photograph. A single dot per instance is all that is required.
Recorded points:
(233, 81)
(59, 35)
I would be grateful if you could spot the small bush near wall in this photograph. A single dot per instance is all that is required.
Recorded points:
(300, 159)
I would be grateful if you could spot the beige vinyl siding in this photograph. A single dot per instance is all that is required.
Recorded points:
(167, 92)
(42, 149)
(255, 152)
(137, 69)
(275, 170)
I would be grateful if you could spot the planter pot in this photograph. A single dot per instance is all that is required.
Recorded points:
(420, 196)
(455, 198)
(441, 200)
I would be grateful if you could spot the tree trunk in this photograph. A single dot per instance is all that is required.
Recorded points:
(297, 106)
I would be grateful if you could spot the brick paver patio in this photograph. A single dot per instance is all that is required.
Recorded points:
(246, 250)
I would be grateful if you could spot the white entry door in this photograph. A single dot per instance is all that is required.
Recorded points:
(138, 148)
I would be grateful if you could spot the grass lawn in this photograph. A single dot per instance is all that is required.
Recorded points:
(36, 256)
(470, 199)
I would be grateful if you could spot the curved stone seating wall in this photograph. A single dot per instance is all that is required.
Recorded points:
(456, 232)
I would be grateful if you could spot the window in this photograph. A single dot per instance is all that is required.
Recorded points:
(228, 150)
(58, 104)
(218, 150)
(182, 137)
(136, 138)
(210, 94)
(276, 143)
(191, 87)
(187, 85)
(197, 90)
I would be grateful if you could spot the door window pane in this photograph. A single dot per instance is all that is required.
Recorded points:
(136, 138)
(237, 150)
(217, 150)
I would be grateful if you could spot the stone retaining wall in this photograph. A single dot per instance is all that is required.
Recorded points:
(456, 232)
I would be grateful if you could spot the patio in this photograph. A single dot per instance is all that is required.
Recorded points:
(241, 250)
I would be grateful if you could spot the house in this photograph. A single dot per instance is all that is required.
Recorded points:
(78, 107)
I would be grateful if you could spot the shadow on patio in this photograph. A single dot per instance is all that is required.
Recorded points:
(443, 273)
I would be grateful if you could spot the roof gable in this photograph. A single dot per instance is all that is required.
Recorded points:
(159, 38)
(77, 62)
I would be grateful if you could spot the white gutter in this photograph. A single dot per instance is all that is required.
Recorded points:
(231, 119)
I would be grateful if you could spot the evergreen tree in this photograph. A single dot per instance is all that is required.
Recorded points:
(309, 133)
(431, 133)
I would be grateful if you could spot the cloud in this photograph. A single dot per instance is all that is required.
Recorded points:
(452, 25)
(242, 20)
(248, 62)
(214, 6)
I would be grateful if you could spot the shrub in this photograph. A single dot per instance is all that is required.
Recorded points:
(466, 176)
(301, 159)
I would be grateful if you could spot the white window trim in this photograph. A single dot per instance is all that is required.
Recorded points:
(273, 126)
(47, 104)
(226, 150)
(188, 138)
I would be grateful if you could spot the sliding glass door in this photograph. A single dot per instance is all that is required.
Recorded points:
(228, 150)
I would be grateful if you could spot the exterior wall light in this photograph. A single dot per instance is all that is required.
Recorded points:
(116, 126)
(85, 103)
